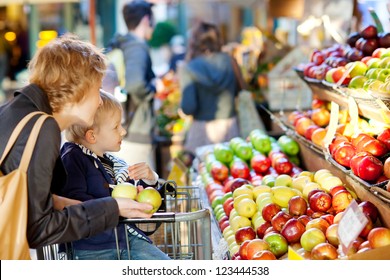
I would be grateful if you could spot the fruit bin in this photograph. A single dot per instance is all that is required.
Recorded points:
(183, 231)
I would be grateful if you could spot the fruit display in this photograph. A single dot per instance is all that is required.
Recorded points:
(360, 64)
(167, 118)
(263, 211)
(302, 211)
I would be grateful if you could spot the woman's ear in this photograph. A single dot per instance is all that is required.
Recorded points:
(90, 136)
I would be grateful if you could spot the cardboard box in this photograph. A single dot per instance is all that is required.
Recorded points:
(382, 253)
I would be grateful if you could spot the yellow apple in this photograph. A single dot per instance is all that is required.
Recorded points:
(125, 190)
(260, 189)
(322, 172)
(283, 180)
(307, 173)
(237, 199)
(309, 187)
(329, 182)
(300, 182)
(240, 222)
(230, 239)
(246, 207)
(151, 196)
(227, 231)
(257, 222)
(242, 190)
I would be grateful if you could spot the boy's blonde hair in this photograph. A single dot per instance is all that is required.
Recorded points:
(109, 106)
(66, 68)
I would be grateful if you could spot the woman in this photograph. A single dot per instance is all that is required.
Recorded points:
(209, 88)
(65, 77)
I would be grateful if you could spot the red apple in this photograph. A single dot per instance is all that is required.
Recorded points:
(319, 223)
(318, 103)
(242, 251)
(261, 229)
(228, 206)
(343, 153)
(282, 165)
(374, 147)
(254, 246)
(337, 140)
(370, 210)
(279, 220)
(335, 189)
(369, 32)
(354, 247)
(239, 169)
(302, 124)
(297, 206)
(236, 183)
(321, 116)
(360, 138)
(320, 202)
(369, 168)
(244, 233)
(219, 171)
(341, 200)
(312, 192)
(328, 217)
(224, 224)
(264, 255)
(324, 251)
(269, 211)
(379, 237)
(293, 230)
(304, 219)
(260, 163)
(384, 137)
(310, 130)
(367, 228)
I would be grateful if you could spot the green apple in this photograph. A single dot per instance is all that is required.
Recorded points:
(226, 196)
(312, 237)
(358, 68)
(151, 196)
(372, 73)
(384, 62)
(283, 180)
(269, 180)
(357, 82)
(373, 62)
(383, 74)
(367, 83)
(375, 85)
(261, 142)
(243, 151)
(328, 75)
(278, 245)
(385, 53)
(385, 88)
(223, 153)
(125, 190)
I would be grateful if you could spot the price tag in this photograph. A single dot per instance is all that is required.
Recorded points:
(332, 127)
(354, 116)
(350, 226)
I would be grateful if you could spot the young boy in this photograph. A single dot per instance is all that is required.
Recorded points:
(92, 172)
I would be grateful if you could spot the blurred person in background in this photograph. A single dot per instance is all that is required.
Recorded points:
(140, 84)
(209, 88)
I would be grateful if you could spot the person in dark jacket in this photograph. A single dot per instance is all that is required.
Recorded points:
(140, 84)
(65, 77)
(93, 173)
(209, 89)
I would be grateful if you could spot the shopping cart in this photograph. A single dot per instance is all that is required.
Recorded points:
(182, 230)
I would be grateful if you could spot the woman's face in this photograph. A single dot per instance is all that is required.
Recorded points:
(84, 111)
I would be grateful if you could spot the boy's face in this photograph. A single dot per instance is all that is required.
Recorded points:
(110, 134)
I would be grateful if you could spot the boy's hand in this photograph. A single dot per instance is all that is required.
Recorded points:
(141, 171)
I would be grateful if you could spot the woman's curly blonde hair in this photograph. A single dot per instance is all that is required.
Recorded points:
(65, 68)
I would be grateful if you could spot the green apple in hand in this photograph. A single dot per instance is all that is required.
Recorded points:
(151, 196)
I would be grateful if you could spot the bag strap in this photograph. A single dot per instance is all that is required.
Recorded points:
(238, 74)
(30, 142)
(32, 139)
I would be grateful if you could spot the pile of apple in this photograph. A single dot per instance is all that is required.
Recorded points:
(261, 222)
(364, 51)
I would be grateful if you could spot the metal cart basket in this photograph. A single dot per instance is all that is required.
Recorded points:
(183, 231)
